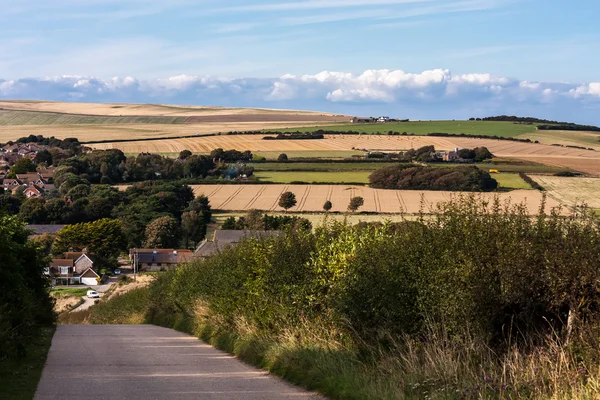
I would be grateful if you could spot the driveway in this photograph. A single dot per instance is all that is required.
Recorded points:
(148, 362)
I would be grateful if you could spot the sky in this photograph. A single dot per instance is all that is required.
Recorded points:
(417, 59)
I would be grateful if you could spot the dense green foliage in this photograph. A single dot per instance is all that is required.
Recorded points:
(483, 276)
(104, 238)
(19, 377)
(255, 220)
(405, 177)
(469, 266)
(25, 306)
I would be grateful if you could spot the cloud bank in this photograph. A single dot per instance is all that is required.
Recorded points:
(432, 94)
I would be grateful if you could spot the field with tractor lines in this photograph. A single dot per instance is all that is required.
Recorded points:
(571, 191)
(312, 197)
(587, 161)
(488, 128)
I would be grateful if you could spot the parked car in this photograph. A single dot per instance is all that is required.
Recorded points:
(92, 294)
(117, 271)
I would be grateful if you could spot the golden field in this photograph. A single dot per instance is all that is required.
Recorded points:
(581, 160)
(311, 198)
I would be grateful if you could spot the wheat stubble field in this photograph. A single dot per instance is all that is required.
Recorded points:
(88, 121)
(587, 161)
(311, 198)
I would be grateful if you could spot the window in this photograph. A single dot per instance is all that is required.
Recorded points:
(64, 270)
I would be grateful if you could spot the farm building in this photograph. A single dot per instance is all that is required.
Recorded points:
(224, 239)
(159, 259)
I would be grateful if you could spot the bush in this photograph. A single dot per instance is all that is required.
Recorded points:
(26, 307)
(530, 181)
(402, 177)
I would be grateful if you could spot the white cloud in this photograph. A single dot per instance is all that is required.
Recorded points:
(435, 93)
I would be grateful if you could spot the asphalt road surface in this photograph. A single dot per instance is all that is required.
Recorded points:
(148, 362)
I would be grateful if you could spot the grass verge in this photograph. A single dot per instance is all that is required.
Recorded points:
(19, 378)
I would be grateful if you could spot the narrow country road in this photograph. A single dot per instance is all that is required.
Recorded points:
(149, 362)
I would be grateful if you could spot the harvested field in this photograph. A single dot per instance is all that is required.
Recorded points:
(581, 160)
(147, 109)
(311, 198)
(571, 191)
(256, 144)
(16, 118)
(490, 128)
(92, 132)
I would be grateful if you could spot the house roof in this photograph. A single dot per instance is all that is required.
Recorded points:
(223, 239)
(237, 236)
(163, 256)
(26, 178)
(41, 229)
(61, 262)
(90, 273)
(73, 255)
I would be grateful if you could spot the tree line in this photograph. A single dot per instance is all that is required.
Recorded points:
(410, 177)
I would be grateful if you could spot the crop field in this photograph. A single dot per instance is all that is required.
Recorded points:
(311, 198)
(314, 177)
(568, 138)
(571, 191)
(10, 118)
(149, 109)
(577, 159)
(490, 128)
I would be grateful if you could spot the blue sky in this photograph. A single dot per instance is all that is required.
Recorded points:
(318, 54)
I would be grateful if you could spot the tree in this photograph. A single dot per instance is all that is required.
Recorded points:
(356, 203)
(287, 200)
(33, 211)
(25, 305)
(103, 238)
(327, 206)
(193, 228)
(183, 155)
(201, 205)
(44, 156)
(162, 233)
(23, 166)
(282, 157)
(255, 220)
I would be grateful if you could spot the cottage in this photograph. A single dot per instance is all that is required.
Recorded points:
(159, 259)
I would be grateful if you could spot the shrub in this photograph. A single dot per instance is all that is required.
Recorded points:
(461, 178)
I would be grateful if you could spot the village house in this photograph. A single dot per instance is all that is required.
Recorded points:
(159, 259)
(73, 269)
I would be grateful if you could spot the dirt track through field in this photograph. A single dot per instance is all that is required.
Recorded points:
(312, 197)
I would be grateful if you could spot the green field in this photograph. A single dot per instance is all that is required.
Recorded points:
(19, 378)
(10, 117)
(272, 155)
(320, 167)
(75, 292)
(310, 177)
(510, 181)
(488, 128)
(503, 165)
